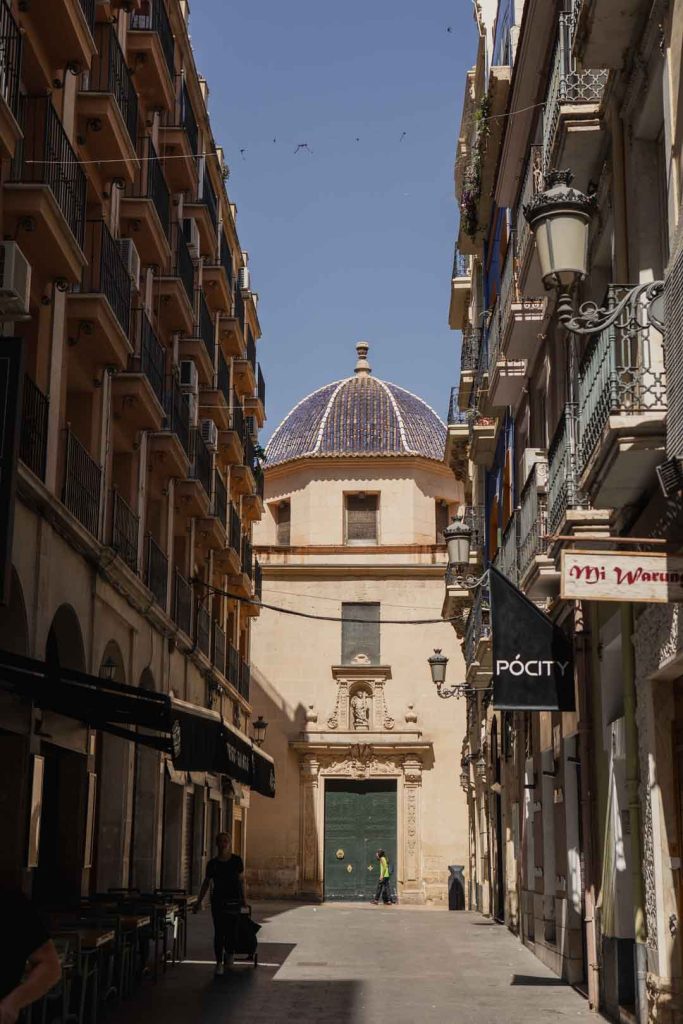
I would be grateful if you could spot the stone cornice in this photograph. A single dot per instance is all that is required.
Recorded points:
(361, 671)
(349, 571)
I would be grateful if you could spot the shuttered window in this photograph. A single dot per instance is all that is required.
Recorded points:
(360, 633)
(283, 515)
(361, 518)
(441, 520)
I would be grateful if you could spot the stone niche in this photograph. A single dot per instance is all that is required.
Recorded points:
(360, 704)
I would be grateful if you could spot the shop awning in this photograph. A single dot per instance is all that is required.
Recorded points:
(196, 738)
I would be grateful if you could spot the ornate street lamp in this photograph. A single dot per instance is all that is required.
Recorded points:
(108, 668)
(559, 218)
(458, 535)
(437, 665)
(259, 728)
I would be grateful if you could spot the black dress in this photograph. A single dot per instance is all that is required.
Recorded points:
(226, 900)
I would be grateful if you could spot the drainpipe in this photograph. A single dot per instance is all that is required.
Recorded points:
(632, 787)
(582, 647)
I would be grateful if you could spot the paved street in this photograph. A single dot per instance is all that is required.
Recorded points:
(350, 964)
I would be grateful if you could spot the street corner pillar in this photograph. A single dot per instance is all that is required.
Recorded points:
(413, 884)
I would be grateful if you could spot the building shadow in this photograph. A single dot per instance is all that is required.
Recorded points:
(533, 980)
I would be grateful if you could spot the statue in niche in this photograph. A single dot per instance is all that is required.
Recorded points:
(360, 710)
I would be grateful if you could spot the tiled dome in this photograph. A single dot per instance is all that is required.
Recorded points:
(358, 416)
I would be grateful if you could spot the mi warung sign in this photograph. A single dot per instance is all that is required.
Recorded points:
(621, 576)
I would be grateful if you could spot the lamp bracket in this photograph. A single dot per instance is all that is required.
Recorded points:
(642, 301)
(457, 690)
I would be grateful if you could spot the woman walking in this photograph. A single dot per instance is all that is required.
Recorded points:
(383, 889)
(224, 874)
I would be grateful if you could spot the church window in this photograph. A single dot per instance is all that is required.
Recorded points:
(361, 518)
(283, 521)
(441, 519)
(360, 633)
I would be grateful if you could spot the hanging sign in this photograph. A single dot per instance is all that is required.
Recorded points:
(621, 576)
(533, 668)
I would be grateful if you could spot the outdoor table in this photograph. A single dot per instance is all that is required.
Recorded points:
(92, 940)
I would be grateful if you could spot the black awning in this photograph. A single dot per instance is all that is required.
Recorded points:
(196, 738)
(533, 666)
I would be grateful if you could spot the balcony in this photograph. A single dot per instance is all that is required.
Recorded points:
(204, 212)
(507, 556)
(33, 440)
(98, 311)
(214, 400)
(231, 441)
(194, 493)
(47, 190)
(457, 438)
(477, 644)
(537, 575)
(217, 282)
(150, 47)
(174, 292)
(82, 484)
(232, 329)
(69, 38)
(203, 631)
(156, 572)
(179, 141)
(10, 39)
(228, 558)
(218, 649)
(522, 319)
(258, 579)
(622, 408)
(146, 208)
(461, 286)
(252, 502)
(483, 436)
(125, 526)
(107, 108)
(572, 134)
(138, 393)
(528, 271)
(201, 347)
(238, 672)
(506, 377)
(605, 31)
(244, 369)
(469, 354)
(242, 479)
(171, 446)
(255, 405)
(213, 528)
(182, 602)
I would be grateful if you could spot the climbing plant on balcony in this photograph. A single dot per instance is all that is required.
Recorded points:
(471, 186)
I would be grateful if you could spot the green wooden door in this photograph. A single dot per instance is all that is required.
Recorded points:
(360, 818)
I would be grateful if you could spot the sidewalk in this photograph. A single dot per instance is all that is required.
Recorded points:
(352, 964)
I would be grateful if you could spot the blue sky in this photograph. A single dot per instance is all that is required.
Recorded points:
(353, 240)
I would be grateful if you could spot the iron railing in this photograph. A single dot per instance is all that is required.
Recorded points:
(184, 117)
(478, 625)
(44, 156)
(567, 84)
(156, 571)
(150, 182)
(533, 518)
(223, 376)
(260, 385)
(621, 374)
(469, 350)
(88, 8)
(203, 624)
(455, 415)
(461, 264)
(563, 479)
(156, 20)
(258, 579)
(218, 648)
(481, 371)
(184, 266)
(259, 482)
(247, 558)
(507, 556)
(206, 328)
(152, 358)
(239, 308)
(251, 349)
(220, 499)
(125, 525)
(182, 602)
(235, 530)
(177, 411)
(226, 259)
(533, 183)
(109, 73)
(475, 517)
(200, 460)
(208, 197)
(232, 671)
(33, 440)
(494, 335)
(10, 44)
(237, 416)
(245, 679)
(106, 272)
(82, 484)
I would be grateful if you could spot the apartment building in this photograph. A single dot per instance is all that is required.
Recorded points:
(564, 428)
(134, 477)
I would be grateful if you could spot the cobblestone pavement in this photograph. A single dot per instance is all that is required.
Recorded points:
(350, 964)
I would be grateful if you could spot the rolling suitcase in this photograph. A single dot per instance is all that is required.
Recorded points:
(246, 943)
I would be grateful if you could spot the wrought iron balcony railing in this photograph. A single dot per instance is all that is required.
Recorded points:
(219, 506)
(82, 484)
(182, 602)
(260, 385)
(258, 579)
(106, 273)
(237, 416)
(226, 259)
(563, 479)
(209, 198)
(475, 517)
(232, 672)
(469, 351)
(494, 333)
(177, 411)
(482, 369)
(239, 308)
(33, 440)
(218, 648)
(461, 264)
(150, 182)
(621, 374)
(251, 349)
(478, 625)
(109, 73)
(155, 20)
(507, 556)
(44, 156)
(533, 183)
(152, 357)
(10, 40)
(247, 558)
(533, 518)
(567, 83)
(455, 415)
(207, 328)
(200, 460)
(185, 117)
(223, 377)
(88, 8)
(203, 624)
(245, 679)
(235, 530)
(156, 571)
(184, 265)
(125, 526)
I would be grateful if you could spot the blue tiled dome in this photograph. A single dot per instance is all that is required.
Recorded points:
(358, 416)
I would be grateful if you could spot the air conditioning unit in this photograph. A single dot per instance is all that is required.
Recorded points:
(189, 379)
(530, 457)
(191, 232)
(131, 258)
(210, 435)
(15, 283)
(243, 278)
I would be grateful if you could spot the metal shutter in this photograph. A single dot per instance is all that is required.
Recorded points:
(361, 517)
(284, 522)
(673, 318)
(360, 637)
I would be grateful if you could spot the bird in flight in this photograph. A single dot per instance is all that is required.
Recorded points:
(403, 135)
(449, 29)
(242, 152)
(303, 145)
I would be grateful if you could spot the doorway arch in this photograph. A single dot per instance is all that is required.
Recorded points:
(14, 620)
(64, 647)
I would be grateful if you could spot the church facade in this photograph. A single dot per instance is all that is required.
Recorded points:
(357, 494)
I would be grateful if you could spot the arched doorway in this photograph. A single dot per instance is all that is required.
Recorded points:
(14, 621)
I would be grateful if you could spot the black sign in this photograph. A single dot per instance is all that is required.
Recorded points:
(263, 775)
(533, 668)
(11, 392)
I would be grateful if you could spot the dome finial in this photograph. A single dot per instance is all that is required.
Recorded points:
(363, 368)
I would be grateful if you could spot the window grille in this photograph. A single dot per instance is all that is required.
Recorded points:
(360, 633)
(361, 518)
